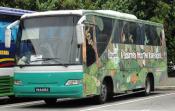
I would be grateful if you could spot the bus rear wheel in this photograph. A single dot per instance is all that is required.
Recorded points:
(51, 101)
(100, 99)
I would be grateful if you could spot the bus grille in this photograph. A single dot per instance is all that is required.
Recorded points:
(6, 84)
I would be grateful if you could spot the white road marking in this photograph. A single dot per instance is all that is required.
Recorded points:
(127, 102)
(23, 104)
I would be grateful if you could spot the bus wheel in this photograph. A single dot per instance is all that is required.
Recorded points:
(51, 101)
(100, 99)
(12, 97)
(147, 86)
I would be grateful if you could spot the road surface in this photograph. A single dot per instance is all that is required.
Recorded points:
(157, 101)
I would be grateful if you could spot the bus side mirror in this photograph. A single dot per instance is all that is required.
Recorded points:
(80, 33)
(8, 33)
(8, 38)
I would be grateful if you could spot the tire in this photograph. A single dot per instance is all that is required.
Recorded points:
(12, 97)
(147, 86)
(110, 97)
(100, 99)
(52, 101)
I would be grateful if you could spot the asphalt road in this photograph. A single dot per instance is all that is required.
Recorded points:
(157, 101)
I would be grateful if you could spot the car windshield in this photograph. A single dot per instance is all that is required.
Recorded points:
(48, 40)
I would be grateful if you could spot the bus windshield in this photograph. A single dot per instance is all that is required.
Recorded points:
(48, 40)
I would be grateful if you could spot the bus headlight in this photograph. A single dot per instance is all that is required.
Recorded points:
(17, 82)
(73, 82)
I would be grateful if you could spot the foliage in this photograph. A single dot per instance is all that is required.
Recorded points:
(42, 5)
(118, 5)
(23, 4)
(162, 11)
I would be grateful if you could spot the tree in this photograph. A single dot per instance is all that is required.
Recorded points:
(117, 5)
(162, 11)
(143, 9)
(43, 5)
(170, 32)
(23, 4)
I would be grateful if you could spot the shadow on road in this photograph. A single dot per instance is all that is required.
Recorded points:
(81, 103)
(6, 100)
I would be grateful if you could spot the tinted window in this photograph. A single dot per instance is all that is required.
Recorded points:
(103, 34)
(134, 33)
(124, 34)
(160, 34)
(130, 33)
(140, 34)
(116, 31)
(98, 33)
(151, 35)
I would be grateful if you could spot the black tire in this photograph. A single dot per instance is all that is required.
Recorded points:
(100, 99)
(110, 96)
(51, 101)
(12, 97)
(147, 86)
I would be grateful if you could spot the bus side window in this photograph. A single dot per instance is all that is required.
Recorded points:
(139, 38)
(116, 31)
(159, 36)
(141, 34)
(124, 36)
(148, 38)
(151, 35)
(129, 33)
(154, 36)
(103, 36)
(133, 33)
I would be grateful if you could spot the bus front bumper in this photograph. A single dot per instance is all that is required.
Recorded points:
(74, 91)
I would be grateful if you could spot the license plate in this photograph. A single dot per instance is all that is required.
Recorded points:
(42, 89)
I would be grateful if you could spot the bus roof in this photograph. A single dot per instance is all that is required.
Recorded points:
(107, 13)
(82, 12)
(13, 11)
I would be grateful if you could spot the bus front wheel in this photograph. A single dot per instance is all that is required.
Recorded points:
(12, 97)
(100, 99)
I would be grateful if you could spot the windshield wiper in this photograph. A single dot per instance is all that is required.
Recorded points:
(54, 59)
(45, 59)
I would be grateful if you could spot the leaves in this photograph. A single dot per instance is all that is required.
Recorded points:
(117, 5)
(162, 11)
(42, 5)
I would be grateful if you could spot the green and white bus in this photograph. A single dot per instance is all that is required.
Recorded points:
(87, 53)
